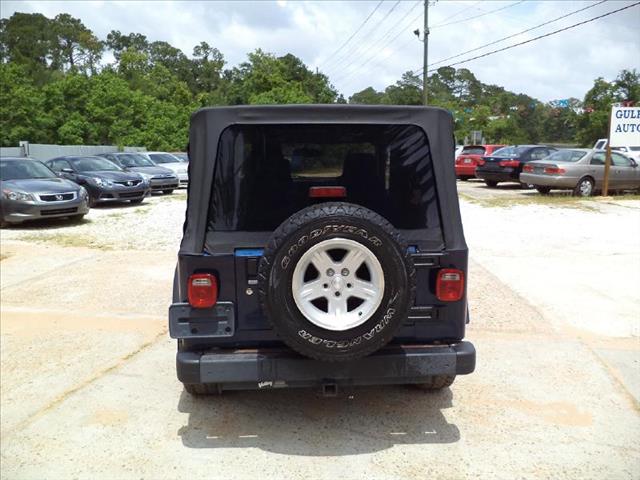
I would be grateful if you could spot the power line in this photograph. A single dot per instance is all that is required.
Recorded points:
(539, 37)
(439, 25)
(381, 39)
(356, 32)
(462, 11)
(519, 33)
(362, 48)
(351, 71)
(358, 47)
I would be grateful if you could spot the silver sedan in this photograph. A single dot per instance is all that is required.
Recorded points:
(582, 171)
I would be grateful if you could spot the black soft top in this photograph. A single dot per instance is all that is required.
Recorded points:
(208, 124)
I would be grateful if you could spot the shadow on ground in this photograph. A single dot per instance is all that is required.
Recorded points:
(300, 422)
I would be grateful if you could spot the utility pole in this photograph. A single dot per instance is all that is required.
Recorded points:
(425, 63)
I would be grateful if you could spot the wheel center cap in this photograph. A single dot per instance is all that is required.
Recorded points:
(337, 283)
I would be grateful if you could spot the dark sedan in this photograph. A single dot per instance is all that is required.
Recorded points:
(30, 191)
(505, 165)
(160, 179)
(105, 181)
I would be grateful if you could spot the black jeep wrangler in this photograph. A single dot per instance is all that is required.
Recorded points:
(322, 246)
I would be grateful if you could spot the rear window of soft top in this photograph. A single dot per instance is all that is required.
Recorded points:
(263, 173)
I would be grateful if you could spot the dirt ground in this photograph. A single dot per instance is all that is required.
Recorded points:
(88, 387)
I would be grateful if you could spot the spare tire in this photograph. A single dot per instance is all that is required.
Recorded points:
(336, 281)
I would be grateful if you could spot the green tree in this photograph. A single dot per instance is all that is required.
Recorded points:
(368, 96)
(406, 91)
(74, 46)
(25, 39)
(20, 106)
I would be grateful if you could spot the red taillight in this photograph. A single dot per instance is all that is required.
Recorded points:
(450, 285)
(327, 192)
(203, 290)
(527, 168)
(509, 163)
(554, 170)
(480, 162)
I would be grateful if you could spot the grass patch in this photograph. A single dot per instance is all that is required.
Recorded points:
(116, 216)
(550, 201)
(558, 201)
(181, 196)
(68, 240)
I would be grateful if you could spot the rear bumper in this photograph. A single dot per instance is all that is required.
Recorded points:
(553, 181)
(506, 175)
(466, 170)
(279, 368)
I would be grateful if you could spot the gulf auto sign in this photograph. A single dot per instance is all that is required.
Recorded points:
(625, 127)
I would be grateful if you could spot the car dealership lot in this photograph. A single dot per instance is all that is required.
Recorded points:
(89, 388)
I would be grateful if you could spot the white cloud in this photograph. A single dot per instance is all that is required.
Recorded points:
(560, 66)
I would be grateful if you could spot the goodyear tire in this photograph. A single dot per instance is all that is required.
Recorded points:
(336, 281)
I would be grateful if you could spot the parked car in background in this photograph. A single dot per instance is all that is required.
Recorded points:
(582, 171)
(167, 160)
(104, 180)
(470, 157)
(505, 164)
(182, 156)
(600, 144)
(160, 179)
(632, 151)
(31, 191)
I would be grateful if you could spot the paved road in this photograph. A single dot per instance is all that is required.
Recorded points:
(89, 389)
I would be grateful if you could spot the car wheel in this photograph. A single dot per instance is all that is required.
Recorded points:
(437, 382)
(136, 201)
(336, 281)
(526, 186)
(543, 190)
(4, 224)
(168, 192)
(77, 218)
(491, 183)
(463, 178)
(199, 389)
(584, 188)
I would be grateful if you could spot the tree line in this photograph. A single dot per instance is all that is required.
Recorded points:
(56, 86)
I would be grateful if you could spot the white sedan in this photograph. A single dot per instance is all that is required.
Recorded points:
(167, 160)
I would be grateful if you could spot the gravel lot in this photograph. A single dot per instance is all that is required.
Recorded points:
(88, 386)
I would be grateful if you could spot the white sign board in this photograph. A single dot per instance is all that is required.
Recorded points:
(625, 127)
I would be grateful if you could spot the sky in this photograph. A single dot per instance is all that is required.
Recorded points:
(321, 33)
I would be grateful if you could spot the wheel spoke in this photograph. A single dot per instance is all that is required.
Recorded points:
(363, 290)
(312, 290)
(337, 306)
(353, 260)
(322, 261)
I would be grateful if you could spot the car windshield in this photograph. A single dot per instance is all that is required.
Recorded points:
(474, 150)
(94, 164)
(23, 170)
(134, 160)
(509, 152)
(163, 158)
(566, 156)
